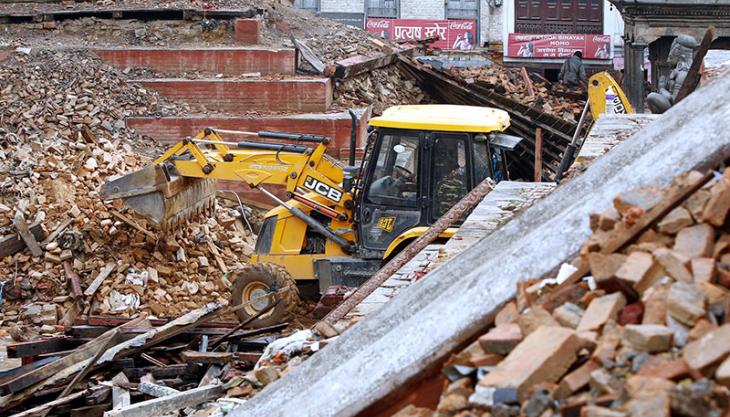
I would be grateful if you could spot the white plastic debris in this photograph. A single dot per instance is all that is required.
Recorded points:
(137, 278)
(288, 345)
(566, 270)
(119, 302)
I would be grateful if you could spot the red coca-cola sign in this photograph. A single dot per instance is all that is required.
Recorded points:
(451, 34)
(558, 45)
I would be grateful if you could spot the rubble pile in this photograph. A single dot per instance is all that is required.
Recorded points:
(381, 88)
(149, 367)
(646, 333)
(62, 125)
(518, 84)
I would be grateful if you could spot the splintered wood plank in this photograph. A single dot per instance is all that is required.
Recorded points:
(96, 283)
(207, 357)
(170, 403)
(27, 235)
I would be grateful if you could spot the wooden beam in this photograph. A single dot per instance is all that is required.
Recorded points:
(171, 371)
(90, 411)
(60, 228)
(73, 279)
(13, 244)
(39, 347)
(309, 55)
(692, 80)
(170, 403)
(360, 64)
(207, 357)
(538, 153)
(81, 375)
(96, 283)
(528, 82)
(24, 231)
(35, 411)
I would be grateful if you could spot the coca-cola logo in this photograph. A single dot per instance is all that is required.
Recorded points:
(466, 25)
(378, 24)
(601, 38)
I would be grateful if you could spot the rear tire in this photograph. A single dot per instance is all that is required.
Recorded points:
(260, 285)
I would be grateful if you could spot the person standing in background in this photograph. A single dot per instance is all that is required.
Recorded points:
(573, 73)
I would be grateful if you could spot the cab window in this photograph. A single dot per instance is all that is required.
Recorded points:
(395, 176)
(449, 172)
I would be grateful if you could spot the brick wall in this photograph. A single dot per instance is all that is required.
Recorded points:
(238, 96)
(336, 126)
(229, 61)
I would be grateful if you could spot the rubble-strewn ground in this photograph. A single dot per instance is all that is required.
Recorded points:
(61, 123)
(647, 334)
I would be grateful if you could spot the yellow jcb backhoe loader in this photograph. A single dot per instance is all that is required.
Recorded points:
(341, 222)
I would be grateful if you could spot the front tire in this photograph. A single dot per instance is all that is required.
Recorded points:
(259, 286)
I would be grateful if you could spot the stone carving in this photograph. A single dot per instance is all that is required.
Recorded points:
(680, 56)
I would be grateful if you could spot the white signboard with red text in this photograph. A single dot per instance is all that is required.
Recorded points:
(451, 34)
(558, 46)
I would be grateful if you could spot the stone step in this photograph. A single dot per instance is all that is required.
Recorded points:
(239, 96)
(227, 61)
(336, 126)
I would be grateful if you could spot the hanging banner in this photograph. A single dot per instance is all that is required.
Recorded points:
(558, 46)
(452, 34)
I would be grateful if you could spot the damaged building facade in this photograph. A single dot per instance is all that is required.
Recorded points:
(515, 29)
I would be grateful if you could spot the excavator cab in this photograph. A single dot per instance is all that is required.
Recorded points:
(423, 161)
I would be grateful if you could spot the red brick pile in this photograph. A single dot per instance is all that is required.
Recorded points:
(644, 334)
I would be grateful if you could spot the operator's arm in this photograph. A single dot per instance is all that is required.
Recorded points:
(582, 72)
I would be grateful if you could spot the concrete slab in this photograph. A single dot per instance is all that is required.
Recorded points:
(227, 61)
(608, 132)
(394, 347)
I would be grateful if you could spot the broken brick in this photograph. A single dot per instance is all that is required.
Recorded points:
(576, 380)
(676, 220)
(649, 337)
(704, 269)
(533, 318)
(702, 327)
(508, 314)
(655, 305)
(722, 375)
(501, 339)
(600, 310)
(686, 302)
(596, 411)
(640, 270)
(644, 198)
(674, 263)
(604, 382)
(708, 350)
(695, 241)
(604, 266)
(718, 205)
(631, 314)
(568, 315)
(661, 367)
(544, 356)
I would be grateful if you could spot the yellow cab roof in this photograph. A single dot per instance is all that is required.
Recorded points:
(443, 117)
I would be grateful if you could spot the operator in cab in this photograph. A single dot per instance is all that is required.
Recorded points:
(573, 73)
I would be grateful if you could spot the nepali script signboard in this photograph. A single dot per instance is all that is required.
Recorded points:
(558, 46)
(452, 34)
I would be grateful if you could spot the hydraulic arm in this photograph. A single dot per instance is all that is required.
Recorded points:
(180, 183)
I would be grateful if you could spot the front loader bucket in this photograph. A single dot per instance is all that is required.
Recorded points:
(165, 200)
